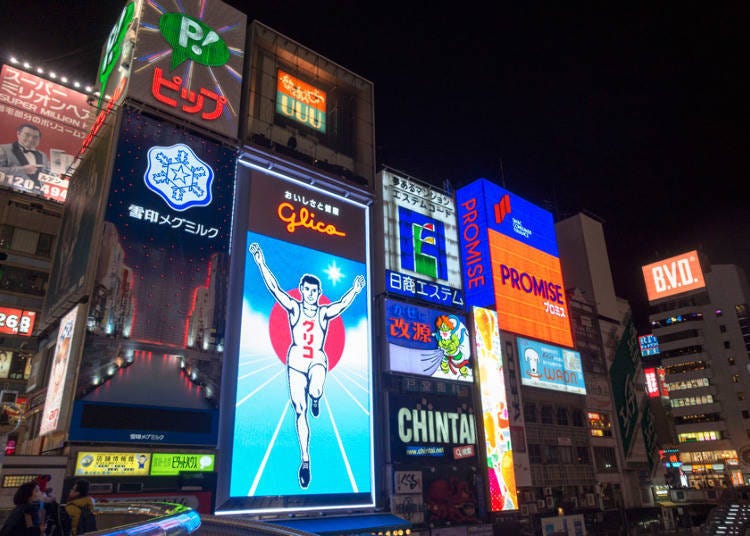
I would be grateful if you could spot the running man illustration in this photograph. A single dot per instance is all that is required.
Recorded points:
(306, 361)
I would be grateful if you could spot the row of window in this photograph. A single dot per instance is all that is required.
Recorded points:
(695, 437)
(688, 384)
(687, 367)
(691, 401)
(677, 319)
(14, 279)
(605, 459)
(707, 456)
(26, 241)
(547, 414)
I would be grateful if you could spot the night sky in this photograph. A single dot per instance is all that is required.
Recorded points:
(637, 114)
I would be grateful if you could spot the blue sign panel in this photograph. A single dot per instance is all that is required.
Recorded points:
(422, 241)
(429, 291)
(427, 342)
(475, 248)
(649, 345)
(550, 367)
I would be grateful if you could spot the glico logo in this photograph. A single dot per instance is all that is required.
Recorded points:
(179, 177)
(422, 244)
(530, 284)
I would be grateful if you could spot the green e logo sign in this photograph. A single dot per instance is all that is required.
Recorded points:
(192, 39)
(114, 48)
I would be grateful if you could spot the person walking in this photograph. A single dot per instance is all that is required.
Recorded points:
(27, 518)
(80, 508)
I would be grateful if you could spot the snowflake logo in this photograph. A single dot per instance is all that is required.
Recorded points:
(179, 177)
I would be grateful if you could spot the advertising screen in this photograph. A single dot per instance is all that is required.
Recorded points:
(649, 345)
(58, 376)
(301, 102)
(421, 241)
(501, 477)
(112, 464)
(188, 62)
(153, 347)
(674, 275)
(510, 261)
(550, 367)
(42, 125)
(168, 464)
(652, 382)
(427, 342)
(302, 433)
(16, 322)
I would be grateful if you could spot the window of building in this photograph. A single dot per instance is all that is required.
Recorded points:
(688, 384)
(23, 281)
(578, 418)
(551, 454)
(740, 395)
(529, 412)
(566, 454)
(730, 360)
(535, 453)
(605, 459)
(694, 437)
(582, 455)
(600, 424)
(562, 416)
(745, 414)
(722, 328)
(692, 400)
(548, 415)
(735, 378)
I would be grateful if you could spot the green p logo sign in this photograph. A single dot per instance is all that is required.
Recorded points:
(191, 39)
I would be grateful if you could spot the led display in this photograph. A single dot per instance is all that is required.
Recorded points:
(300, 101)
(302, 432)
(16, 321)
(112, 464)
(501, 477)
(188, 62)
(166, 464)
(427, 342)
(652, 382)
(510, 261)
(649, 345)
(550, 367)
(42, 125)
(58, 376)
(155, 330)
(672, 276)
(421, 241)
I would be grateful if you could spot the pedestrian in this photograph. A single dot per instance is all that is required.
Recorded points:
(27, 518)
(80, 508)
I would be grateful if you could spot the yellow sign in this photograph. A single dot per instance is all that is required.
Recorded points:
(112, 464)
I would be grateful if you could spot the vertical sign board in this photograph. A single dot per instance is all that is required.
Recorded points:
(510, 259)
(421, 242)
(302, 434)
(188, 62)
(622, 375)
(156, 318)
(62, 374)
(673, 276)
(501, 477)
(649, 345)
(42, 125)
(550, 367)
(427, 342)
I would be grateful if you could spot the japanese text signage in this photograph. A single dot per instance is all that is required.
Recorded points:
(188, 62)
(435, 427)
(421, 241)
(652, 382)
(303, 420)
(158, 315)
(112, 464)
(163, 464)
(42, 125)
(649, 345)
(427, 342)
(550, 367)
(623, 377)
(501, 477)
(300, 101)
(510, 260)
(674, 275)
(16, 321)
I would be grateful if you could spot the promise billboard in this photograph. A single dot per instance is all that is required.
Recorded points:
(510, 261)
(302, 406)
(673, 276)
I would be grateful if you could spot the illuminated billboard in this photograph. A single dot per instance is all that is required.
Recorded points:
(16, 321)
(301, 102)
(649, 345)
(302, 433)
(652, 382)
(550, 367)
(188, 61)
(501, 477)
(421, 241)
(672, 276)
(168, 464)
(427, 342)
(155, 328)
(510, 261)
(14, 365)
(112, 464)
(42, 125)
(65, 347)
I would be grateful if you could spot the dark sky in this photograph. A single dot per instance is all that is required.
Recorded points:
(637, 113)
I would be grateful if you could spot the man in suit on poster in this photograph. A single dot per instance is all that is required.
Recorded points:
(21, 159)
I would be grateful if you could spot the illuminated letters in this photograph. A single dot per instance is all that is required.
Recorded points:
(427, 426)
(665, 276)
(305, 219)
(531, 285)
(472, 257)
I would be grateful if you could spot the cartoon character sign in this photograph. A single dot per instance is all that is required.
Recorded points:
(453, 340)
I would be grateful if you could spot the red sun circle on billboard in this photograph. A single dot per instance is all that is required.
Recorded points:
(281, 337)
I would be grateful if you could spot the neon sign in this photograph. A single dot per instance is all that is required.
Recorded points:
(305, 219)
(300, 101)
(550, 367)
(192, 102)
(113, 49)
(179, 177)
(191, 38)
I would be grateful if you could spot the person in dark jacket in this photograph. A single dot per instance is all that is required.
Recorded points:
(78, 500)
(27, 518)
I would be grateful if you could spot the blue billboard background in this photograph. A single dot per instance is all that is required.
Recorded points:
(550, 367)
